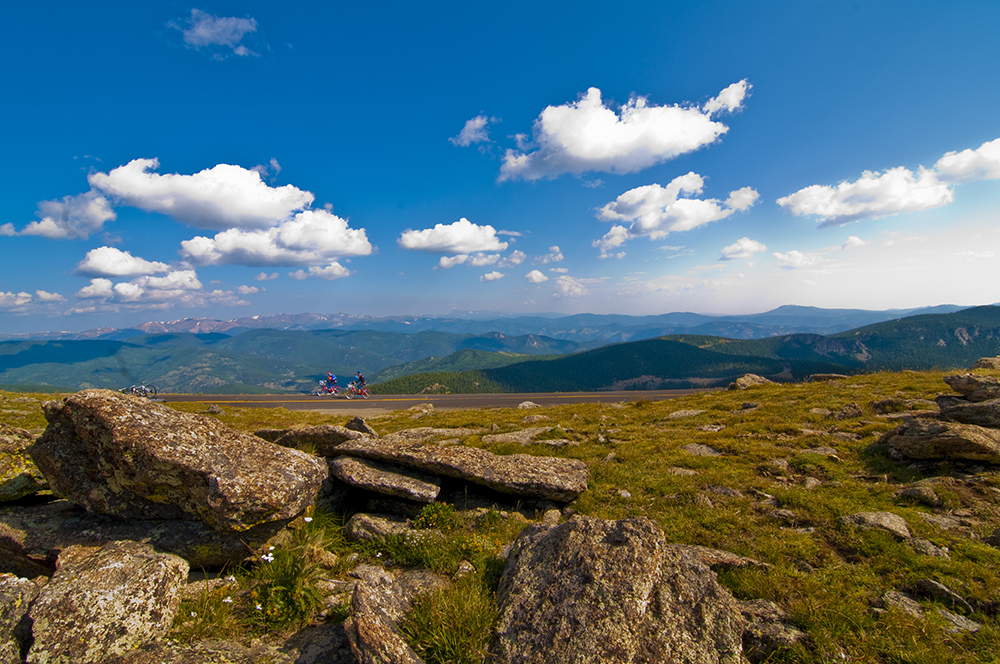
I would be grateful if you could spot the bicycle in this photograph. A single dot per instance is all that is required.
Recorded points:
(325, 389)
(140, 390)
(354, 390)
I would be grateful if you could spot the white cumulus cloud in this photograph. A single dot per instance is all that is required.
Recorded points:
(872, 196)
(71, 217)
(492, 276)
(329, 272)
(205, 30)
(613, 239)
(217, 198)
(555, 255)
(742, 248)
(853, 242)
(111, 262)
(970, 165)
(460, 237)
(586, 135)
(512, 259)
(10, 300)
(569, 287)
(311, 238)
(264, 276)
(654, 211)
(536, 277)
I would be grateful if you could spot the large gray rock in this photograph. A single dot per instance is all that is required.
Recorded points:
(104, 603)
(988, 363)
(122, 455)
(385, 479)
(33, 536)
(927, 439)
(520, 474)
(975, 388)
(367, 527)
(19, 477)
(592, 590)
(16, 595)
(981, 413)
(205, 652)
(377, 605)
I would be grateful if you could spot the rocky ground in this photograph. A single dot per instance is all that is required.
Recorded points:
(854, 518)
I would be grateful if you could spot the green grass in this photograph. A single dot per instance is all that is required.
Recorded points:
(636, 446)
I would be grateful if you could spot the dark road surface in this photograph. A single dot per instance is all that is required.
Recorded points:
(386, 403)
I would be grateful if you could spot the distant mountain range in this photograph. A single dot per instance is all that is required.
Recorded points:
(593, 329)
(575, 356)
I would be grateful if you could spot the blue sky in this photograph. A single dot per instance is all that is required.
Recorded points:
(226, 159)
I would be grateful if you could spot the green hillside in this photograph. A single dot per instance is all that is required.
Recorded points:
(919, 343)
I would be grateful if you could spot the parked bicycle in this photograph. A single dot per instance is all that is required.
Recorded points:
(140, 390)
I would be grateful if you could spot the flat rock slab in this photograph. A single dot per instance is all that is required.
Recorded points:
(975, 388)
(981, 413)
(33, 536)
(104, 604)
(684, 413)
(385, 479)
(522, 437)
(519, 474)
(698, 449)
(613, 592)
(944, 440)
(425, 434)
(124, 456)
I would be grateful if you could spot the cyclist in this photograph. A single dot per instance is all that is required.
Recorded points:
(331, 380)
(360, 380)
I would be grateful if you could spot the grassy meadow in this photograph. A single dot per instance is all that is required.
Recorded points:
(827, 577)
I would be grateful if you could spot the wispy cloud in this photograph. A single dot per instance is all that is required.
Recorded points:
(475, 130)
(203, 30)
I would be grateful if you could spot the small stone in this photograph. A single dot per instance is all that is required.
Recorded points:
(624, 494)
(958, 623)
(528, 404)
(922, 494)
(684, 413)
(893, 599)
(811, 483)
(698, 449)
(928, 548)
(884, 521)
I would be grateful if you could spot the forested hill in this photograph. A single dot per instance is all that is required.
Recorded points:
(918, 342)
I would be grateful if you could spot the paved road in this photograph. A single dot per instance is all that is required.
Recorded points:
(390, 402)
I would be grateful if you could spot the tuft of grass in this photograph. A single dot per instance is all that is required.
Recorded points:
(452, 626)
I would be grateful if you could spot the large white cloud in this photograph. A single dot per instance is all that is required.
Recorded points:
(460, 237)
(568, 287)
(217, 198)
(586, 135)
(311, 238)
(742, 248)
(872, 196)
(111, 262)
(970, 165)
(71, 217)
(204, 30)
(654, 211)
